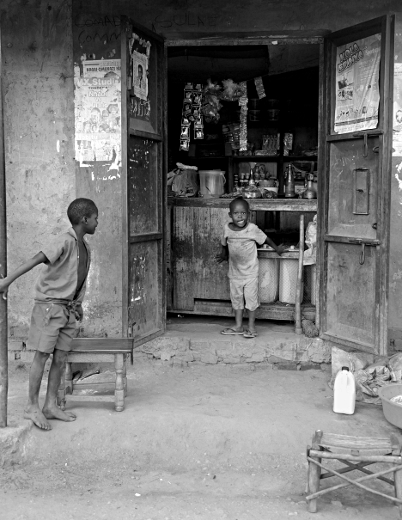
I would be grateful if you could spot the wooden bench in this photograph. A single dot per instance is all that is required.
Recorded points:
(356, 453)
(98, 350)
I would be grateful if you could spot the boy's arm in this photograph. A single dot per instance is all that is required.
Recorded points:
(40, 258)
(279, 249)
(223, 255)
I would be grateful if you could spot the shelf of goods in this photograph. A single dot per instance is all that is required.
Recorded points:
(198, 284)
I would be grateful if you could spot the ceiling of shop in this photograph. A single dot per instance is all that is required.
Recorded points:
(197, 64)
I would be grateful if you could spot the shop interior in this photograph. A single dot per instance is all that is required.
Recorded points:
(280, 158)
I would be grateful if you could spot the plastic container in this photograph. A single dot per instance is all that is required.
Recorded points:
(268, 279)
(288, 280)
(344, 392)
(253, 104)
(273, 114)
(212, 183)
(254, 115)
(392, 411)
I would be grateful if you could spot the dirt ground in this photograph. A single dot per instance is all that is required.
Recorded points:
(204, 442)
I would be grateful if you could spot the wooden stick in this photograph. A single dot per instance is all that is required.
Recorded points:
(354, 482)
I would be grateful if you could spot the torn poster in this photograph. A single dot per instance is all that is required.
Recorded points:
(357, 89)
(98, 111)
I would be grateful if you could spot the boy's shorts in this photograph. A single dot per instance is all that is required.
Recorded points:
(53, 326)
(245, 290)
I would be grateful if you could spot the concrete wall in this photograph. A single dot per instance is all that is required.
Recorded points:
(38, 116)
(39, 111)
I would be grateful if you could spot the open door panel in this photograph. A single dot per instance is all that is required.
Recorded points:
(356, 158)
(143, 75)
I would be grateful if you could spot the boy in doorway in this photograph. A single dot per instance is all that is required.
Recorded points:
(239, 245)
(59, 294)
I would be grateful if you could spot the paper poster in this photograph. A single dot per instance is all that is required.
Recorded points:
(140, 75)
(98, 112)
(397, 111)
(357, 88)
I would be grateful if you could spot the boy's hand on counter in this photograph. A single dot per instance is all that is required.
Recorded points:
(280, 249)
(222, 257)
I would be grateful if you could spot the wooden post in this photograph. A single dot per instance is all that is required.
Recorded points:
(299, 283)
(3, 271)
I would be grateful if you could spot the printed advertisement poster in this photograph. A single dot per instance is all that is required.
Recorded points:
(397, 111)
(98, 112)
(140, 69)
(357, 85)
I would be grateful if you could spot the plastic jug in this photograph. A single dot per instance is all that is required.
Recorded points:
(344, 392)
(212, 183)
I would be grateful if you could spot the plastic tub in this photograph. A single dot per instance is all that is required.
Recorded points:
(288, 280)
(268, 279)
(392, 411)
(212, 183)
(273, 114)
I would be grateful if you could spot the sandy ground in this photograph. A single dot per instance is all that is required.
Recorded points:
(204, 442)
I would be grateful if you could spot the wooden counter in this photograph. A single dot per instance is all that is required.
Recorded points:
(199, 285)
(304, 205)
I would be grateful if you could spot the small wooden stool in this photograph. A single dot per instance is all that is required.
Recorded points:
(97, 350)
(356, 453)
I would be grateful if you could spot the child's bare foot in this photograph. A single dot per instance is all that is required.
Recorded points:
(37, 417)
(54, 412)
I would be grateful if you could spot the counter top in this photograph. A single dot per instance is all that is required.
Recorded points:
(306, 205)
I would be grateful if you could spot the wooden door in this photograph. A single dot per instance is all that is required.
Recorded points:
(143, 108)
(355, 160)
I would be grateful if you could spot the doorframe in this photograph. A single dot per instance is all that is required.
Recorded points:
(267, 38)
(386, 24)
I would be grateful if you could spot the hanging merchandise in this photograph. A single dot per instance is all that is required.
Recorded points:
(259, 85)
(191, 113)
(211, 104)
(243, 101)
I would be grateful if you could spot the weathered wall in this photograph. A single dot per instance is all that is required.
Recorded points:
(175, 18)
(38, 115)
(39, 110)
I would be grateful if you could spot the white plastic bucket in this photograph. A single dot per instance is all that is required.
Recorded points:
(268, 279)
(344, 392)
(288, 280)
(212, 183)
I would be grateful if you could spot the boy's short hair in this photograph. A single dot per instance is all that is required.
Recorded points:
(239, 199)
(80, 208)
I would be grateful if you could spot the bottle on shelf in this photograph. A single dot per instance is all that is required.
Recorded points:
(289, 182)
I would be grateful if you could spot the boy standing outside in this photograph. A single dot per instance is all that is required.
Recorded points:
(239, 245)
(59, 293)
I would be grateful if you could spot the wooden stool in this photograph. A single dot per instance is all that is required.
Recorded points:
(97, 350)
(356, 453)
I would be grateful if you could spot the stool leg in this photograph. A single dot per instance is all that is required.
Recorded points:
(69, 378)
(398, 488)
(313, 483)
(125, 375)
(314, 471)
(119, 390)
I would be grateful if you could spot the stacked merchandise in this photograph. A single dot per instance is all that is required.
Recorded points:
(231, 134)
(191, 114)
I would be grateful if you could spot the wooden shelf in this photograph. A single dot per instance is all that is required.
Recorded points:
(286, 158)
(305, 205)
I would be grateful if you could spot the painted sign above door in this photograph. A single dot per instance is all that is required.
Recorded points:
(357, 85)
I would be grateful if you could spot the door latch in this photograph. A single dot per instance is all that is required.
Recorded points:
(363, 243)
